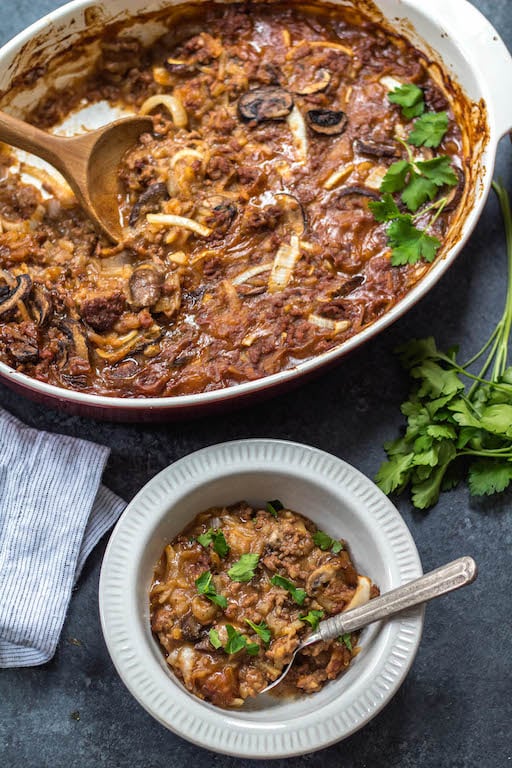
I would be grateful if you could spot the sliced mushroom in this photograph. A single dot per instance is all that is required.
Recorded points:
(24, 352)
(327, 121)
(40, 304)
(145, 285)
(170, 299)
(354, 190)
(375, 149)
(348, 286)
(320, 577)
(266, 103)
(361, 595)
(75, 333)
(148, 201)
(19, 288)
(320, 83)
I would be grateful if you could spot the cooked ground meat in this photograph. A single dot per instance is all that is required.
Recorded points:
(226, 621)
(101, 312)
(232, 268)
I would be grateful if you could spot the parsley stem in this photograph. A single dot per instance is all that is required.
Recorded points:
(484, 348)
(500, 337)
(442, 202)
(439, 211)
(410, 156)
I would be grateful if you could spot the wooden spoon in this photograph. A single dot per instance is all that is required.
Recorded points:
(89, 162)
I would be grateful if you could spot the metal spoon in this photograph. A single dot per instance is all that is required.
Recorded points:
(445, 579)
(88, 162)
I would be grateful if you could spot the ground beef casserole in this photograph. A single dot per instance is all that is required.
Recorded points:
(250, 243)
(237, 590)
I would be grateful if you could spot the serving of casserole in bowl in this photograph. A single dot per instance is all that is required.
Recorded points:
(311, 172)
(202, 597)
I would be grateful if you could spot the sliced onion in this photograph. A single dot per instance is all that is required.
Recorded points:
(178, 257)
(336, 46)
(337, 326)
(170, 220)
(251, 272)
(374, 178)
(361, 595)
(186, 152)
(298, 128)
(171, 103)
(391, 83)
(338, 176)
(295, 218)
(282, 269)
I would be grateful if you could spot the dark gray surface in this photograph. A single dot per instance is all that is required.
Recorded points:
(454, 710)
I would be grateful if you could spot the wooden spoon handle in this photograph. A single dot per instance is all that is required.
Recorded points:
(452, 576)
(25, 136)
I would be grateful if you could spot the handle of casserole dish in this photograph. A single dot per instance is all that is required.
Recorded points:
(479, 42)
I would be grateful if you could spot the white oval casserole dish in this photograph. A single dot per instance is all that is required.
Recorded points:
(451, 32)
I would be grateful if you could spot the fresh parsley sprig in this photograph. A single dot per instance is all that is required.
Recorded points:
(261, 630)
(430, 128)
(298, 594)
(458, 422)
(217, 538)
(235, 643)
(410, 97)
(346, 640)
(206, 587)
(313, 618)
(273, 507)
(324, 541)
(243, 569)
(418, 180)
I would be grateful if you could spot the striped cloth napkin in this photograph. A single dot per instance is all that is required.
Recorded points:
(53, 510)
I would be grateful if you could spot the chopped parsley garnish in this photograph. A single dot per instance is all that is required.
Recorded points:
(429, 130)
(237, 642)
(410, 98)
(214, 638)
(459, 420)
(243, 569)
(206, 587)
(261, 629)
(410, 244)
(298, 594)
(220, 544)
(324, 541)
(346, 640)
(273, 507)
(417, 181)
(313, 618)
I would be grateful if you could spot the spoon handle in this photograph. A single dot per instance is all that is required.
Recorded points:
(452, 576)
(25, 136)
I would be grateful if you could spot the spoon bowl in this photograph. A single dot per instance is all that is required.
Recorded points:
(439, 582)
(89, 162)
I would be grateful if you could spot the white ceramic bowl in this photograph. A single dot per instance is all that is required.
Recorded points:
(452, 33)
(344, 503)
